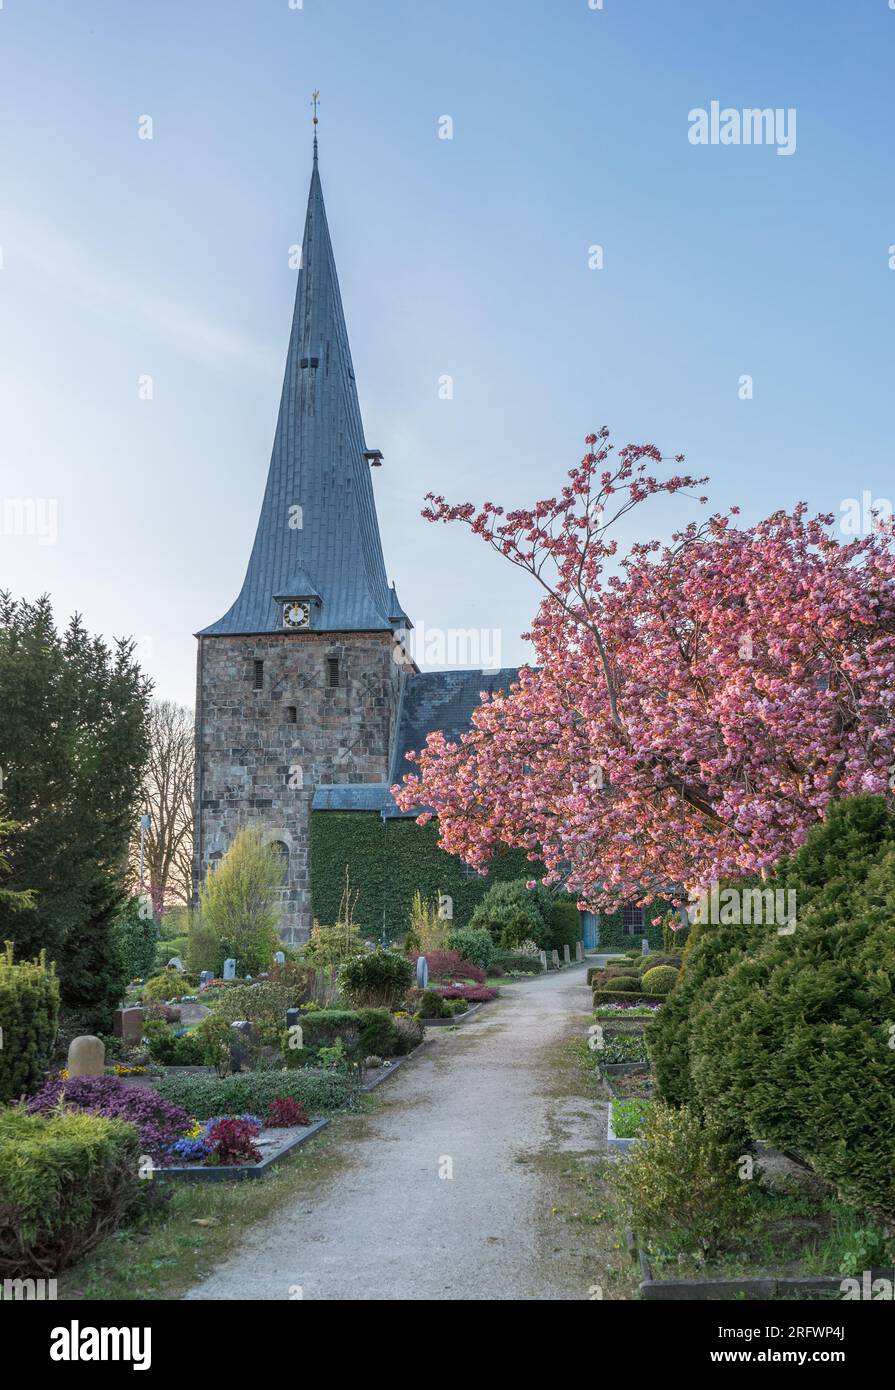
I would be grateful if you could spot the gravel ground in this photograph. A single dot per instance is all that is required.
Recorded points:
(478, 1103)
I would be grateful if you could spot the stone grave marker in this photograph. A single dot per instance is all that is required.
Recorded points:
(565, 954)
(86, 1056)
(422, 973)
(175, 963)
(554, 956)
(644, 945)
(205, 979)
(543, 956)
(579, 950)
(279, 958)
(127, 1024)
(230, 969)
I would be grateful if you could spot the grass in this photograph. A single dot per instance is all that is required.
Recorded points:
(181, 1230)
(628, 1117)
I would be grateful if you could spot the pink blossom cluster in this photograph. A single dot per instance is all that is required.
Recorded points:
(695, 705)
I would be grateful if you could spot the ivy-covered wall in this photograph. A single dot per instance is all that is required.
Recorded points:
(388, 861)
(611, 933)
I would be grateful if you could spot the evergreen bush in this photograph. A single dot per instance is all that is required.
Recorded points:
(65, 1181)
(29, 1014)
(377, 979)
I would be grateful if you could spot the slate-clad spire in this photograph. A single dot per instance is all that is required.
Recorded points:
(335, 555)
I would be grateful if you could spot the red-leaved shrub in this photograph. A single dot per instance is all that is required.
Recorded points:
(473, 994)
(284, 1112)
(233, 1141)
(450, 965)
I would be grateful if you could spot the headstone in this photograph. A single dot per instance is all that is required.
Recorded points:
(175, 963)
(644, 945)
(279, 957)
(205, 979)
(422, 973)
(230, 969)
(242, 1036)
(86, 1056)
(554, 956)
(565, 954)
(543, 956)
(127, 1024)
(579, 950)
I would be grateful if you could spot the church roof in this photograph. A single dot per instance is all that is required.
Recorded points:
(331, 546)
(430, 701)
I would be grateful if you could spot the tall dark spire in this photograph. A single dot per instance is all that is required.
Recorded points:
(318, 536)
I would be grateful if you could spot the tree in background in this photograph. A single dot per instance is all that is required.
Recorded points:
(73, 743)
(167, 796)
(696, 706)
(239, 903)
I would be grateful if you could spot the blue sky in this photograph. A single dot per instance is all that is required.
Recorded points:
(467, 257)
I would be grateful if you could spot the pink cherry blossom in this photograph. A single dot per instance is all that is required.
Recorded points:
(696, 704)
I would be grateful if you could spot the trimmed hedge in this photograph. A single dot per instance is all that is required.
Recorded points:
(617, 996)
(660, 979)
(365, 1032)
(206, 1096)
(388, 861)
(29, 1014)
(65, 1181)
(516, 964)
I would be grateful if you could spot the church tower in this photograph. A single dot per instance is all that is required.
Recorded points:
(298, 684)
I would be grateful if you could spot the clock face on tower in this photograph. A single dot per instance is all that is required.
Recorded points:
(296, 614)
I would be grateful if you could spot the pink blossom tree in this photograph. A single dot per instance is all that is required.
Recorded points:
(695, 705)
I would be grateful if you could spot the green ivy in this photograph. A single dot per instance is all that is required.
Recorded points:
(611, 933)
(388, 861)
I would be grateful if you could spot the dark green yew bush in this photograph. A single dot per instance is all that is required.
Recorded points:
(796, 1044)
(29, 1013)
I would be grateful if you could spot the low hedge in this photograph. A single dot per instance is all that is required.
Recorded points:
(517, 963)
(617, 996)
(364, 1032)
(661, 979)
(65, 1182)
(205, 1096)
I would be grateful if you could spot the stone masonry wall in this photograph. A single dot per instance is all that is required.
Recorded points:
(255, 767)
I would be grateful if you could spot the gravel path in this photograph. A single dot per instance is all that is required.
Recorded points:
(478, 1103)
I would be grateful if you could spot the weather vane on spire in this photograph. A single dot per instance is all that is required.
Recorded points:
(315, 98)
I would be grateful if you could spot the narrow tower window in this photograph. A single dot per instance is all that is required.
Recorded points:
(291, 714)
(332, 671)
(259, 675)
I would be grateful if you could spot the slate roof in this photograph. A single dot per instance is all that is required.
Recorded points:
(430, 701)
(318, 464)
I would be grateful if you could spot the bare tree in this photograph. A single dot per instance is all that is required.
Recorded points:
(167, 796)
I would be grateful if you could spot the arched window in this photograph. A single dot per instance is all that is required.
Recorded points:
(283, 849)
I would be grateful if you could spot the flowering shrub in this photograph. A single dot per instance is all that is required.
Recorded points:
(157, 1121)
(284, 1112)
(450, 965)
(233, 1141)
